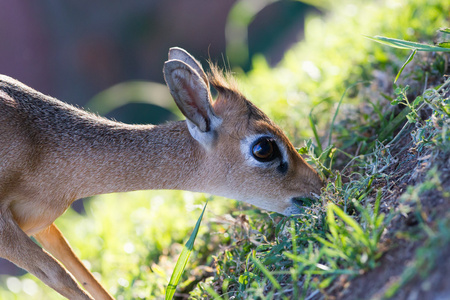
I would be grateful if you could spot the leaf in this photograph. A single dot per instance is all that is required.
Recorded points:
(376, 208)
(243, 279)
(411, 117)
(303, 150)
(445, 30)
(338, 181)
(332, 222)
(402, 44)
(297, 258)
(417, 101)
(410, 58)
(444, 44)
(183, 259)
(326, 282)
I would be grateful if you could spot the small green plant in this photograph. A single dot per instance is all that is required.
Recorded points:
(355, 243)
(402, 98)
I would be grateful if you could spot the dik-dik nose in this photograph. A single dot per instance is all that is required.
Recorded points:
(313, 183)
(317, 182)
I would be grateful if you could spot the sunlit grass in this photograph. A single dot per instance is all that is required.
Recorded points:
(341, 233)
(183, 260)
(131, 241)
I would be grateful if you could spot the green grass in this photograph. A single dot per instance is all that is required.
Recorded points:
(341, 232)
(402, 44)
(183, 259)
(339, 235)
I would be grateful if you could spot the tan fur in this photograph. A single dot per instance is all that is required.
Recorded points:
(52, 153)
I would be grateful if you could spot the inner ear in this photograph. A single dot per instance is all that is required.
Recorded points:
(193, 98)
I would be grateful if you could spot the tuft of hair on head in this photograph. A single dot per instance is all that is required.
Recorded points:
(223, 81)
(228, 88)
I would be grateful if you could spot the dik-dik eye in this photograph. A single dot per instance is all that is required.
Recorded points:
(265, 149)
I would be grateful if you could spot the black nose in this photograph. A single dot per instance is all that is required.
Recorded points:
(302, 201)
(297, 201)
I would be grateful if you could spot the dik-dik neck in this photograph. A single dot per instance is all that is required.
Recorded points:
(122, 158)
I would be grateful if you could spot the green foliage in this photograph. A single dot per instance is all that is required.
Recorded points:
(401, 44)
(402, 98)
(183, 259)
(340, 233)
(410, 58)
(351, 241)
(132, 240)
(333, 55)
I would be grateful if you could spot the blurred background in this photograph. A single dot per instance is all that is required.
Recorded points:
(290, 57)
(72, 50)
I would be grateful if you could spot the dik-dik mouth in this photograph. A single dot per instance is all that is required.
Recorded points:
(297, 205)
(298, 201)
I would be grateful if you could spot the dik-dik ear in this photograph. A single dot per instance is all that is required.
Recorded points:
(192, 96)
(176, 53)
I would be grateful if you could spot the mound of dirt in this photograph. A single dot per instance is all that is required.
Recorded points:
(403, 240)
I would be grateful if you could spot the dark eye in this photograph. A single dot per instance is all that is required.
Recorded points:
(265, 149)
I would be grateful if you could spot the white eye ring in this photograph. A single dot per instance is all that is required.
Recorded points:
(265, 149)
(248, 143)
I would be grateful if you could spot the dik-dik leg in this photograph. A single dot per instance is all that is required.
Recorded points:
(55, 243)
(18, 248)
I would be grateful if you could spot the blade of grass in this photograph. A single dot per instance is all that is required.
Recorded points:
(266, 272)
(313, 126)
(346, 218)
(337, 110)
(394, 124)
(402, 44)
(212, 292)
(445, 30)
(444, 44)
(183, 259)
(410, 58)
(376, 208)
(316, 135)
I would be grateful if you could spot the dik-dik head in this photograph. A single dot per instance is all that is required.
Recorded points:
(245, 155)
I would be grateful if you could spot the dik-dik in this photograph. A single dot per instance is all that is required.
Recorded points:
(52, 153)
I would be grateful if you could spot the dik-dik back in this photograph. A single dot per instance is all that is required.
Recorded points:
(52, 153)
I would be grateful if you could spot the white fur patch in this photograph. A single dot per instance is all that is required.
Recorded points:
(292, 210)
(206, 139)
